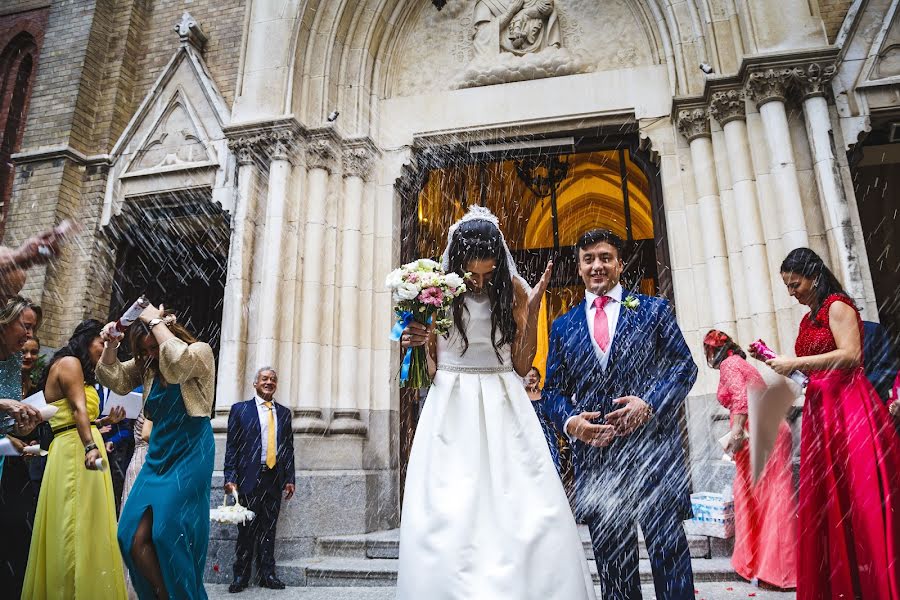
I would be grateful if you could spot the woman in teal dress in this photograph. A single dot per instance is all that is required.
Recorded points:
(164, 525)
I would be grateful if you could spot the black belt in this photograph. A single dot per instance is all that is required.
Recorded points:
(64, 429)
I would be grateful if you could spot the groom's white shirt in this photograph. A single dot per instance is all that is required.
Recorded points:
(612, 317)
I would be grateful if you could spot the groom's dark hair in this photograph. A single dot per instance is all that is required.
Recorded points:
(595, 236)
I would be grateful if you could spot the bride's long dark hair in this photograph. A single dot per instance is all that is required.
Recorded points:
(479, 239)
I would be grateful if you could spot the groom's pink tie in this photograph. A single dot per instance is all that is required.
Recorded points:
(601, 323)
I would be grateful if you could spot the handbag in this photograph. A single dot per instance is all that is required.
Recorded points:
(233, 514)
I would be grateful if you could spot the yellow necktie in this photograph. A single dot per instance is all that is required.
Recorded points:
(270, 443)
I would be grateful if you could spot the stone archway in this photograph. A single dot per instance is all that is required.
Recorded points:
(611, 182)
(173, 247)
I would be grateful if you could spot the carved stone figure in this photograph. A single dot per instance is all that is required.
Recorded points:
(516, 26)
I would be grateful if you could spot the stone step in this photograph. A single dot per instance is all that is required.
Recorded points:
(386, 544)
(332, 571)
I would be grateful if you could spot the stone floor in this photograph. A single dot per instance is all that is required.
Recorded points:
(705, 591)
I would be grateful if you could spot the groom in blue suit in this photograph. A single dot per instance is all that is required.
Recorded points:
(618, 371)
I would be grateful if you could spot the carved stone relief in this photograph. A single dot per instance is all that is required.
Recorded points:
(358, 159)
(813, 79)
(515, 26)
(484, 42)
(727, 106)
(771, 84)
(174, 141)
(887, 64)
(693, 123)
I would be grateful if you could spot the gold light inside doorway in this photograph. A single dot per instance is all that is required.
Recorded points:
(600, 189)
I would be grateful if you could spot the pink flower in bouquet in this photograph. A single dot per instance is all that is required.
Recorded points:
(433, 296)
(412, 278)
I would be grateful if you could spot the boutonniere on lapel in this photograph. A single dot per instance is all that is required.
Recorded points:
(631, 303)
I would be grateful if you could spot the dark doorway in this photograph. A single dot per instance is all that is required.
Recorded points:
(545, 197)
(174, 249)
(875, 165)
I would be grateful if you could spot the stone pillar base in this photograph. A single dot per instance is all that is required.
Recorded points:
(346, 422)
(309, 420)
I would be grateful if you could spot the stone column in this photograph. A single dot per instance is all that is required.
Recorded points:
(352, 306)
(744, 332)
(813, 82)
(235, 316)
(768, 89)
(728, 108)
(316, 306)
(273, 259)
(694, 125)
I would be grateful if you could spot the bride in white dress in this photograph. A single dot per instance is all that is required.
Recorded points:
(484, 511)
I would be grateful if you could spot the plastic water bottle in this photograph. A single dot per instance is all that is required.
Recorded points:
(7, 424)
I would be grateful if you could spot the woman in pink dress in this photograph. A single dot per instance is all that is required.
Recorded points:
(849, 502)
(765, 516)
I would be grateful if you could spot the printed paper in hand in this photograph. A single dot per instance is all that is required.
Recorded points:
(6, 448)
(132, 402)
(36, 400)
(34, 450)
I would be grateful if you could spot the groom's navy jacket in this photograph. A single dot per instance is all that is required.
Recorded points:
(648, 359)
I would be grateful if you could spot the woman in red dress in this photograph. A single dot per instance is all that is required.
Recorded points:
(849, 501)
(765, 514)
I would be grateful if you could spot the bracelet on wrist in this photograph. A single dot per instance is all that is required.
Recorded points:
(89, 447)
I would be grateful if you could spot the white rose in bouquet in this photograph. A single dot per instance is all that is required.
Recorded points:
(453, 280)
(394, 279)
(427, 264)
(407, 291)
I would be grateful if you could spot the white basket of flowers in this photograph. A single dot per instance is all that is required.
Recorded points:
(233, 514)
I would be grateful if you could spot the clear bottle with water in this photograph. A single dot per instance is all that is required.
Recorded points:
(7, 423)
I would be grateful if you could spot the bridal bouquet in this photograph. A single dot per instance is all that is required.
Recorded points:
(422, 292)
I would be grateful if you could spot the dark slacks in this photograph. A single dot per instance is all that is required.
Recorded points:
(18, 503)
(265, 501)
(615, 542)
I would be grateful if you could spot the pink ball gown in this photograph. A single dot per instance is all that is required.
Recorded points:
(765, 515)
(849, 504)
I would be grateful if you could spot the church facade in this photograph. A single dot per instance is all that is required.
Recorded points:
(261, 167)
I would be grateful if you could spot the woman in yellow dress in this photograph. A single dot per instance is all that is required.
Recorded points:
(74, 551)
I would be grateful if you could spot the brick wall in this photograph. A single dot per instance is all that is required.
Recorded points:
(52, 118)
(833, 13)
(99, 60)
(32, 21)
(223, 23)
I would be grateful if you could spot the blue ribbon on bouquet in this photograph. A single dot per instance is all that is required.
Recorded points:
(406, 317)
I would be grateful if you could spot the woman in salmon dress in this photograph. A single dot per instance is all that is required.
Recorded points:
(849, 500)
(765, 514)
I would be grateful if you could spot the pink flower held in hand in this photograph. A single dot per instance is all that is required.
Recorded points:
(760, 348)
(433, 296)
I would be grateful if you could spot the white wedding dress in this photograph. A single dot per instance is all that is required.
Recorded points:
(484, 512)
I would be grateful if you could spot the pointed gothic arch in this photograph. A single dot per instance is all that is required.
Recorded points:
(18, 62)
